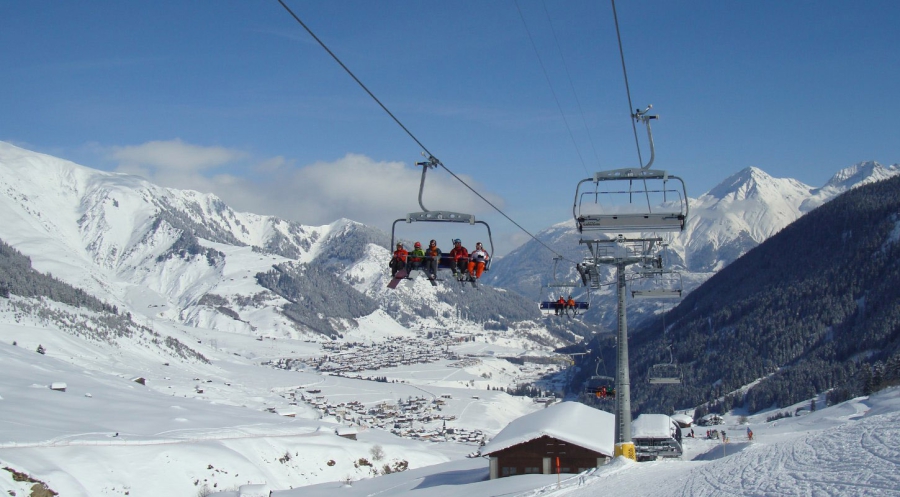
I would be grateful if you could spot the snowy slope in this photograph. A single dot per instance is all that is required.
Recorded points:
(848, 449)
(116, 236)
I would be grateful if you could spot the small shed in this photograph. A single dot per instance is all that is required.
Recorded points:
(656, 436)
(555, 439)
(59, 386)
(348, 432)
(254, 490)
(683, 420)
(286, 411)
(711, 420)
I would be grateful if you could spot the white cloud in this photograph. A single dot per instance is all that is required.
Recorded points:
(359, 188)
(174, 155)
(354, 187)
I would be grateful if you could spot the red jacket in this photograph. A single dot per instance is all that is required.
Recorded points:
(459, 253)
(400, 254)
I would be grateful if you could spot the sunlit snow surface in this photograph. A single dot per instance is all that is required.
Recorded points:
(849, 449)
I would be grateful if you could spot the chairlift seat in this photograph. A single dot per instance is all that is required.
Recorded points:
(656, 294)
(657, 221)
(664, 381)
(551, 305)
(665, 374)
(666, 211)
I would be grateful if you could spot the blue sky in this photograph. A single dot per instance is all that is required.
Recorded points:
(235, 98)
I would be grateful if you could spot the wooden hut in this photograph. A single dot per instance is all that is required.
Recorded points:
(567, 437)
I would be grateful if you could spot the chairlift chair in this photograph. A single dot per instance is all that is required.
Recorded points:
(553, 305)
(656, 280)
(441, 217)
(603, 387)
(666, 373)
(658, 285)
(632, 199)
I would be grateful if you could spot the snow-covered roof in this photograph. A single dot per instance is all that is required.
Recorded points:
(683, 419)
(652, 426)
(571, 422)
(254, 490)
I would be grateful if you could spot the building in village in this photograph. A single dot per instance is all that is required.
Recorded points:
(567, 437)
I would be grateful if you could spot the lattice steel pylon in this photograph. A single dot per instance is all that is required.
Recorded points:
(621, 252)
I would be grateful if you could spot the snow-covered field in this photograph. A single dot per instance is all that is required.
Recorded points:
(109, 435)
(845, 450)
(218, 425)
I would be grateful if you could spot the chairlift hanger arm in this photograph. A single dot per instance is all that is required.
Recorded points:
(432, 162)
(642, 116)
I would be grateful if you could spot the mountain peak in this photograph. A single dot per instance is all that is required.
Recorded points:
(748, 182)
(860, 173)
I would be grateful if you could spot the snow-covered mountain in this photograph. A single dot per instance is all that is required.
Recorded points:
(738, 214)
(186, 257)
(174, 394)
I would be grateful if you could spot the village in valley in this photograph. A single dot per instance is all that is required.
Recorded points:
(460, 365)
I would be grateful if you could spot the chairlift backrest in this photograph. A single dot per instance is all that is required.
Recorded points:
(658, 284)
(631, 200)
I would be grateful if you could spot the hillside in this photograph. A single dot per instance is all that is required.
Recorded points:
(186, 258)
(812, 309)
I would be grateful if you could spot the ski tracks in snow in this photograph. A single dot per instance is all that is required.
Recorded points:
(833, 462)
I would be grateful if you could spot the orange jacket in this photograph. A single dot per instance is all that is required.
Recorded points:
(400, 254)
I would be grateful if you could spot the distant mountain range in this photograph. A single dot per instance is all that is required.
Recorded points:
(161, 259)
(186, 258)
(725, 223)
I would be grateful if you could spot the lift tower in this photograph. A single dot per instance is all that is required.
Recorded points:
(631, 200)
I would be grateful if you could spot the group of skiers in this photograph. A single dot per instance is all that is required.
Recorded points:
(465, 265)
(710, 434)
(562, 305)
(603, 392)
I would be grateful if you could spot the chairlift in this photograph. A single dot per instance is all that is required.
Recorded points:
(554, 305)
(658, 285)
(603, 387)
(632, 199)
(656, 280)
(666, 373)
(444, 217)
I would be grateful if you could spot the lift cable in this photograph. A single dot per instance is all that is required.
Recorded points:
(428, 154)
(627, 89)
(572, 85)
(550, 84)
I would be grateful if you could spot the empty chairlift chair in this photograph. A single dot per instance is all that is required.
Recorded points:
(666, 373)
(632, 199)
